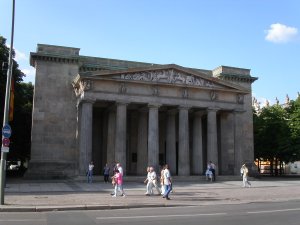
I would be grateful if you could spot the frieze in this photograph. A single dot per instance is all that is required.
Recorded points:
(170, 77)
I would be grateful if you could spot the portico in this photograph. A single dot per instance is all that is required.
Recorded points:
(143, 114)
(155, 120)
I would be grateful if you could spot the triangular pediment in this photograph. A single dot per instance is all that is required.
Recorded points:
(165, 74)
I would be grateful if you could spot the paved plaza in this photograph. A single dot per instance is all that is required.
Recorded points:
(32, 195)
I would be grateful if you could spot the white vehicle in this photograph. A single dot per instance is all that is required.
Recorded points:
(13, 165)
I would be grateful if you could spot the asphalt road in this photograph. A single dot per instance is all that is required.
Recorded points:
(271, 213)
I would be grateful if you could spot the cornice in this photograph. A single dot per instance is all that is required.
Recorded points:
(235, 77)
(52, 58)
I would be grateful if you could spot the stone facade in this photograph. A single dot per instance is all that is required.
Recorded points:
(105, 110)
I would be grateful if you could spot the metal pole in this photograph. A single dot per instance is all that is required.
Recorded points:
(6, 107)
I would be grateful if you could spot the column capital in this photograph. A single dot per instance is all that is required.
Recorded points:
(187, 107)
(122, 102)
(85, 100)
(212, 109)
(154, 105)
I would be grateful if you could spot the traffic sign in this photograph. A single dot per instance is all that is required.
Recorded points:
(5, 142)
(6, 131)
(5, 149)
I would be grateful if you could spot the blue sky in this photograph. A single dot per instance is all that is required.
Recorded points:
(261, 35)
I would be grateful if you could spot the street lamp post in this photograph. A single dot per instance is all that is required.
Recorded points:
(6, 108)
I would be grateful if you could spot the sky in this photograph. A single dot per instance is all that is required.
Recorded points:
(261, 35)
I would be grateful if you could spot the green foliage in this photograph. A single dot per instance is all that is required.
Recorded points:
(294, 124)
(23, 97)
(277, 132)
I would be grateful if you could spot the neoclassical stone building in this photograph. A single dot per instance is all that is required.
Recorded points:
(106, 110)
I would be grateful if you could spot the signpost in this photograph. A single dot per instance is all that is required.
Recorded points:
(6, 131)
(5, 142)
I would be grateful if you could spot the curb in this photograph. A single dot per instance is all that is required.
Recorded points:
(79, 207)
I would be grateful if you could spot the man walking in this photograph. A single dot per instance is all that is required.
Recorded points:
(167, 182)
(245, 171)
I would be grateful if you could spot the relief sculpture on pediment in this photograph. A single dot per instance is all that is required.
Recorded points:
(168, 76)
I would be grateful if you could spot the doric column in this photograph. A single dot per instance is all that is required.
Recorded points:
(111, 132)
(171, 141)
(212, 137)
(153, 136)
(85, 135)
(238, 141)
(183, 147)
(197, 155)
(142, 157)
(120, 138)
(227, 143)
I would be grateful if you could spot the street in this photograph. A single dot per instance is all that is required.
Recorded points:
(275, 213)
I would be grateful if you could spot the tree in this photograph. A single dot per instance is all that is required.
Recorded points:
(294, 124)
(21, 124)
(272, 136)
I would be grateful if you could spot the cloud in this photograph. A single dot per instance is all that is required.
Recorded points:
(280, 33)
(29, 75)
(19, 56)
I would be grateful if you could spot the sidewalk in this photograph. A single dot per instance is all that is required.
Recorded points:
(37, 196)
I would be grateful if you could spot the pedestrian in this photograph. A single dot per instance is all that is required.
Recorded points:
(153, 180)
(89, 172)
(213, 170)
(120, 169)
(147, 181)
(162, 180)
(244, 172)
(106, 170)
(167, 182)
(209, 174)
(118, 179)
(115, 168)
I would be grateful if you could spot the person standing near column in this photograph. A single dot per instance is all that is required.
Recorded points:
(106, 170)
(90, 172)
